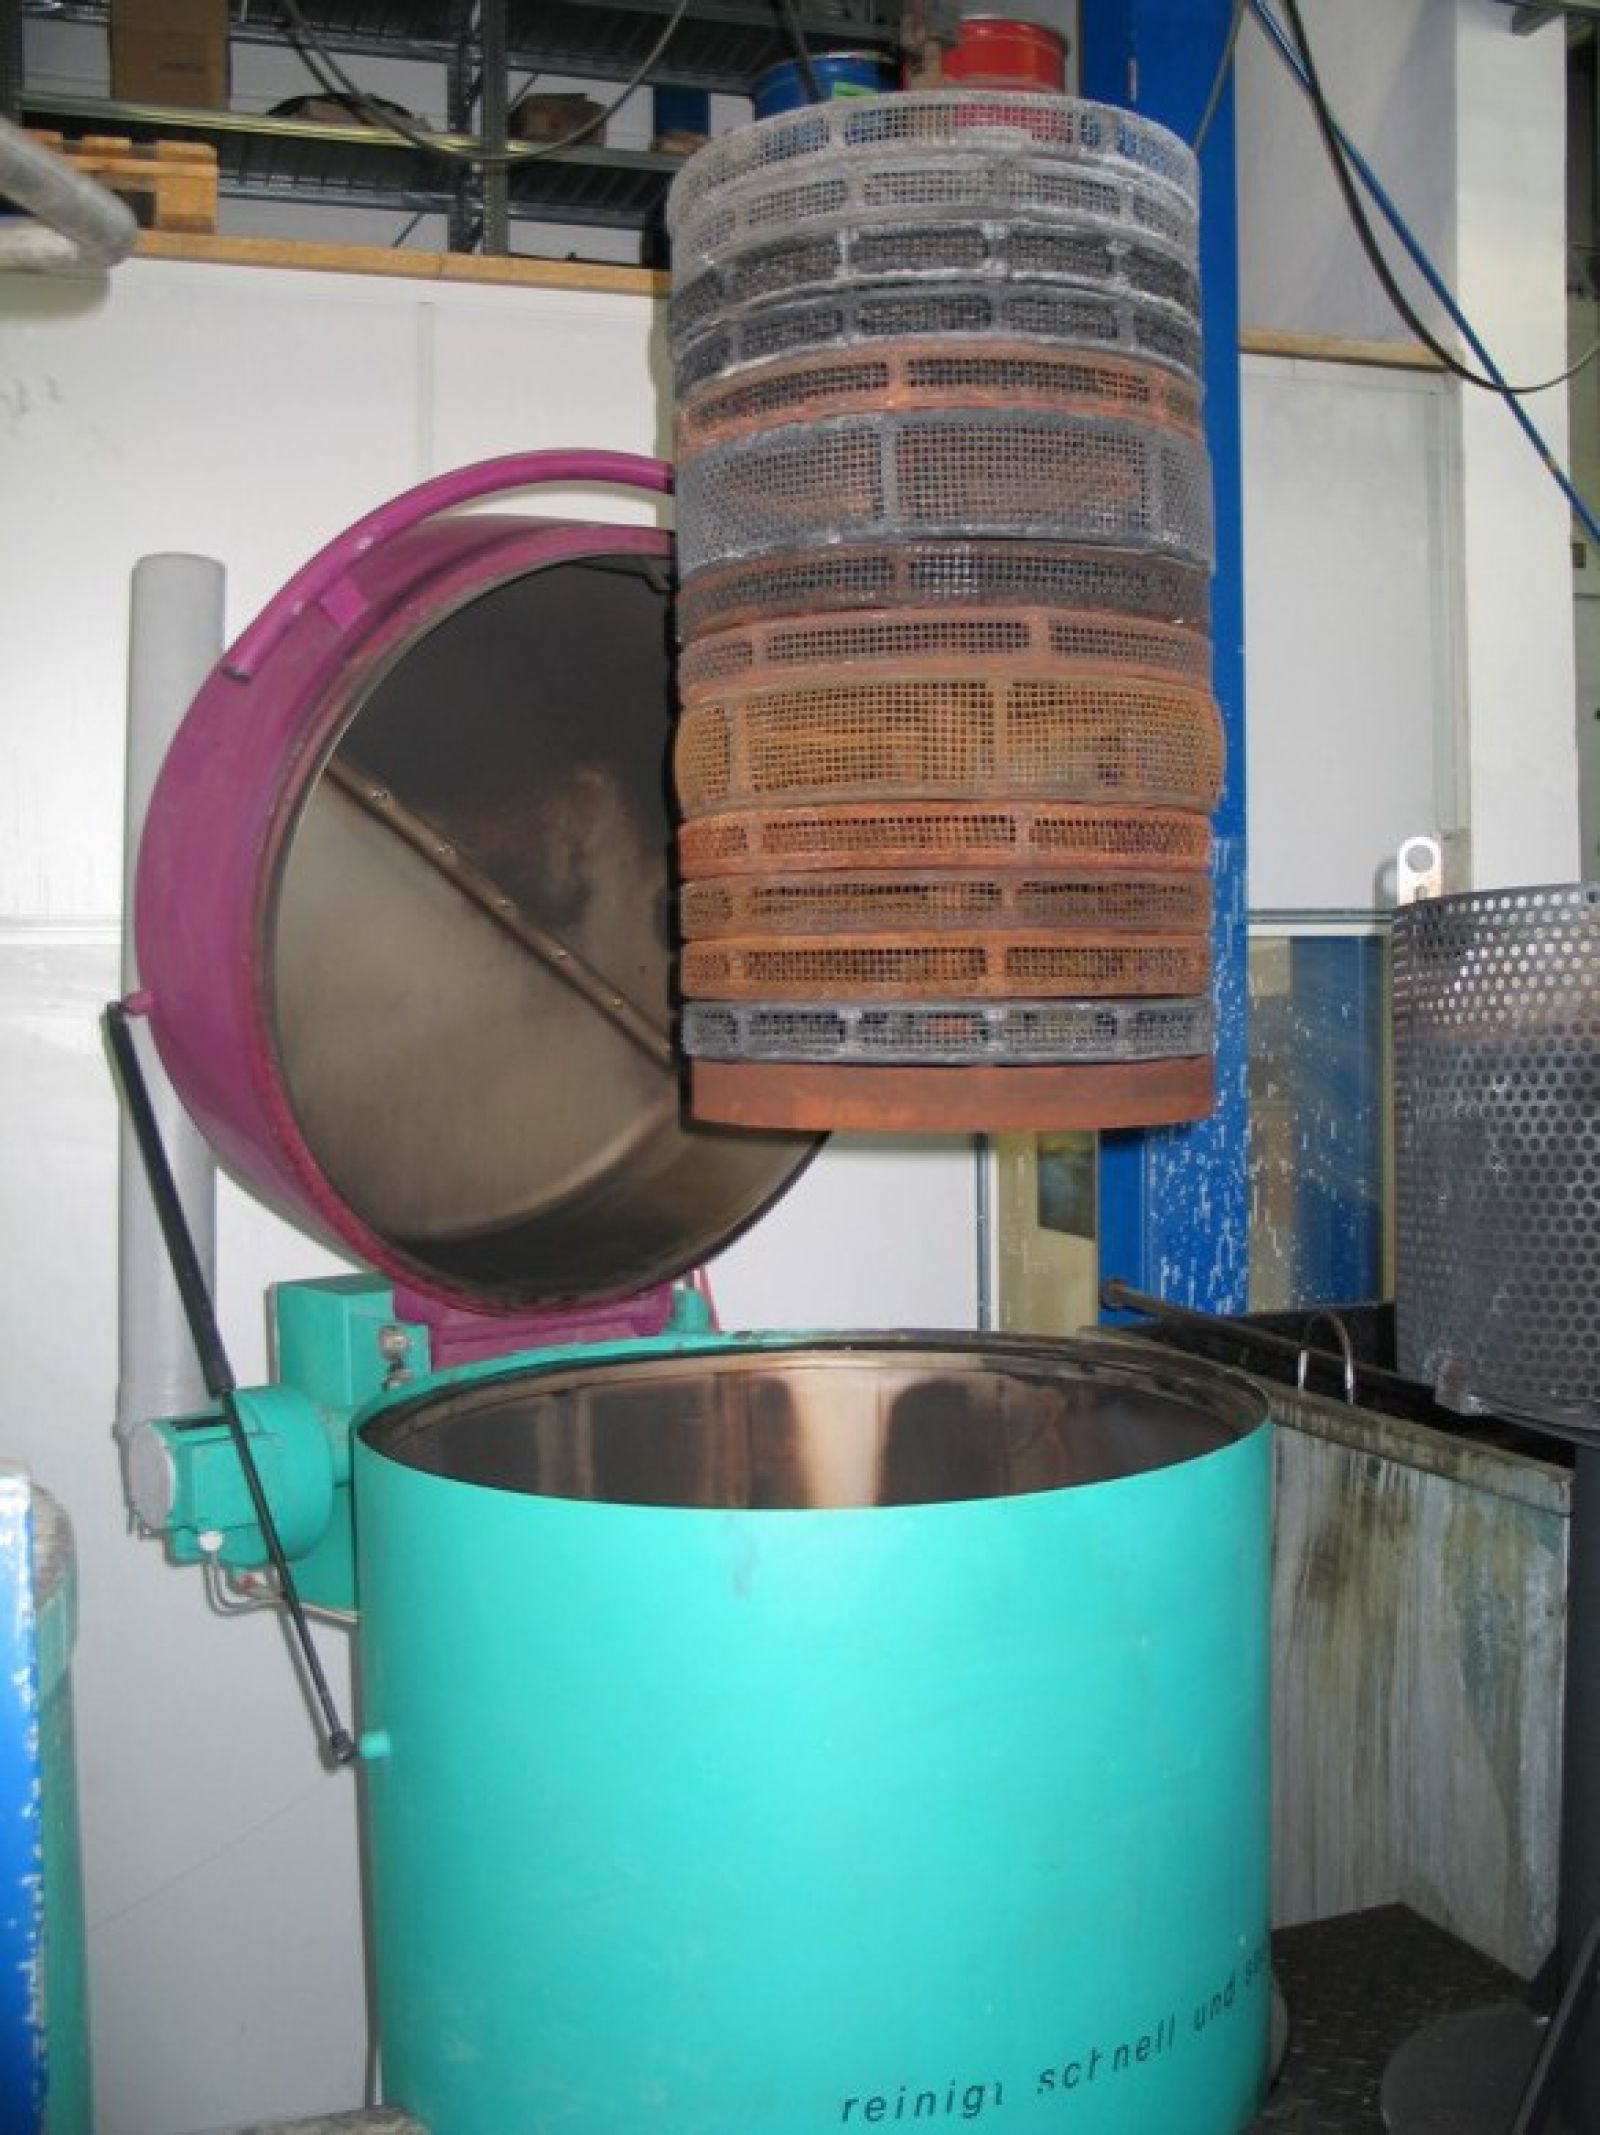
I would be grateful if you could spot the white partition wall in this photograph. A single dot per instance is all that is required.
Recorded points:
(1464, 123)
(1352, 628)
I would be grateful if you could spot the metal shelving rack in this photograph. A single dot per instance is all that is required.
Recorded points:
(721, 45)
(353, 166)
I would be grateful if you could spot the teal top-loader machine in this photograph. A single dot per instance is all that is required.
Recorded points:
(759, 1734)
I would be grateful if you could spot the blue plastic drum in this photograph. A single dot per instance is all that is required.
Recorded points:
(839, 74)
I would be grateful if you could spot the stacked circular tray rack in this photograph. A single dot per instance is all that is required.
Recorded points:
(947, 748)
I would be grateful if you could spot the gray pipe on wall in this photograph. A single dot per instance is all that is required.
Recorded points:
(78, 226)
(175, 640)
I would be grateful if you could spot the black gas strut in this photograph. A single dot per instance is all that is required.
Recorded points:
(221, 1384)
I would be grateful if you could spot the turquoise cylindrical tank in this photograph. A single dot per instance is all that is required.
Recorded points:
(790, 1735)
(66, 2004)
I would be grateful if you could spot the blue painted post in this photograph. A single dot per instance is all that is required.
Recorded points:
(1337, 1072)
(22, 2061)
(1174, 1202)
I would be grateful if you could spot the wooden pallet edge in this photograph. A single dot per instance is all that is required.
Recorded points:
(578, 277)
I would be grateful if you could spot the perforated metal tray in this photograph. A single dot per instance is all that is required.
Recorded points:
(827, 260)
(1032, 965)
(999, 832)
(951, 1033)
(917, 640)
(1013, 309)
(958, 473)
(1497, 1083)
(1014, 901)
(988, 573)
(955, 737)
(971, 370)
(940, 123)
(977, 174)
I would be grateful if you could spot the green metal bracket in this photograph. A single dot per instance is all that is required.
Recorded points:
(339, 1352)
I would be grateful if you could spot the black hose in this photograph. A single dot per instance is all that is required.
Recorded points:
(790, 19)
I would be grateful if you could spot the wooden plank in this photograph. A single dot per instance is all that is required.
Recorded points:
(586, 275)
(1334, 348)
(556, 274)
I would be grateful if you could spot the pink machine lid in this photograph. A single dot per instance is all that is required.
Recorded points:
(403, 908)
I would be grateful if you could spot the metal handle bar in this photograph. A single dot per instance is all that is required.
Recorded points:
(1346, 1346)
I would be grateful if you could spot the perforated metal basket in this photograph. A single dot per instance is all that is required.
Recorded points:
(919, 640)
(731, 906)
(997, 832)
(948, 1033)
(958, 737)
(1014, 309)
(992, 574)
(975, 175)
(970, 372)
(892, 967)
(1497, 1107)
(849, 259)
(960, 473)
(942, 124)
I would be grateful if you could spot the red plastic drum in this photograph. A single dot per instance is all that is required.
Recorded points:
(999, 52)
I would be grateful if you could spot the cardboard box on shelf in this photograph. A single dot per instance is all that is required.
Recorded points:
(170, 52)
(551, 119)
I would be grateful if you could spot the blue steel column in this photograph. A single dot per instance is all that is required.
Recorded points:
(1335, 1074)
(1174, 1202)
(22, 2069)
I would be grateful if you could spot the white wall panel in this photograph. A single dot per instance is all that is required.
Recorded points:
(1464, 123)
(1350, 626)
(1387, 67)
(492, 393)
(875, 1234)
(235, 414)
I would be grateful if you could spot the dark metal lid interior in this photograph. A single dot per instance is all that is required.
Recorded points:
(470, 961)
(842, 1421)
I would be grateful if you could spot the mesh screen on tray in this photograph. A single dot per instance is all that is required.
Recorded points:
(844, 903)
(888, 967)
(1096, 138)
(957, 473)
(990, 573)
(841, 263)
(916, 834)
(975, 372)
(1101, 738)
(979, 182)
(912, 638)
(1008, 310)
(949, 1034)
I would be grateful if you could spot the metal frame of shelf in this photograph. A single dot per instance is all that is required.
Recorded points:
(352, 166)
(720, 45)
